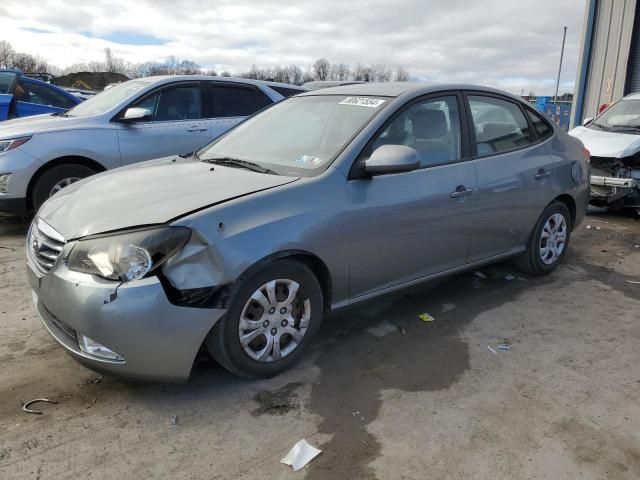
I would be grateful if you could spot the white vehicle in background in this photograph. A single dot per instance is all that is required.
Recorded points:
(613, 138)
(131, 122)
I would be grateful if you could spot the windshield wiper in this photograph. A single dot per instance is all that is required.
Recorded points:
(236, 162)
(626, 127)
(601, 127)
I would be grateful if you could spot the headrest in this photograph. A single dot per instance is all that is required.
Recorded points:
(429, 124)
(494, 131)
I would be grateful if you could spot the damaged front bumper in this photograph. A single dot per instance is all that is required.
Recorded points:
(615, 182)
(151, 338)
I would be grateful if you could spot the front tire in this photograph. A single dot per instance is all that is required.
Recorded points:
(55, 179)
(272, 319)
(549, 241)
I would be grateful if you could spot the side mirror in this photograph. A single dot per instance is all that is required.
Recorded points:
(135, 113)
(392, 159)
(587, 121)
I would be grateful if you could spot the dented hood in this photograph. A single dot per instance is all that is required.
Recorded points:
(607, 144)
(148, 193)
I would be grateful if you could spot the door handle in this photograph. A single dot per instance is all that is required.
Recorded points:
(542, 173)
(461, 191)
(196, 128)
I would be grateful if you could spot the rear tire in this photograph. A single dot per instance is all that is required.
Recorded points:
(263, 333)
(55, 179)
(549, 241)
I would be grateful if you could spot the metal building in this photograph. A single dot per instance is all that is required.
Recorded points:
(609, 63)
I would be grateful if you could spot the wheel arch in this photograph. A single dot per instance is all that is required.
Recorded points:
(570, 203)
(315, 264)
(65, 160)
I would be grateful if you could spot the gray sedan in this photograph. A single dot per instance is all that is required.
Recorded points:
(321, 201)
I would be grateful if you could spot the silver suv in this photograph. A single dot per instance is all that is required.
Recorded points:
(131, 122)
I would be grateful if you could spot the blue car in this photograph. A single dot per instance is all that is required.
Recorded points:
(22, 96)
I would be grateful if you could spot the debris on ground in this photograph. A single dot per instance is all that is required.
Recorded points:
(301, 454)
(403, 330)
(425, 317)
(509, 277)
(588, 227)
(277, 402)
(479, 274)
(491, 349)
(174, 420)
(634, 282)
(504, 347)
(95, 380)
(382, 329)
(447, 307)
(25, 406)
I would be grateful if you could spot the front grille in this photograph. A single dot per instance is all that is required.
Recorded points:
(44, 245)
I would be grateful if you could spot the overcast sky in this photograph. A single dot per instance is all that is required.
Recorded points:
(512, 44)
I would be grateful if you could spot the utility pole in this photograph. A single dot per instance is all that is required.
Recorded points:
(564, 36)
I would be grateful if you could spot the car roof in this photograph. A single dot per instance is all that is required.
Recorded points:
(395, 89)
(161, 79)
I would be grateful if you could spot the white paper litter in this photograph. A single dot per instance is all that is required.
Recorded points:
(301, 454)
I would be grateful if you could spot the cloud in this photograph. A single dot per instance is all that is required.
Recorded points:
(512, 45)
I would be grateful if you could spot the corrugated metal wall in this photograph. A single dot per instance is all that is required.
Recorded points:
(609, 54)
(633, 71)
(610, 48)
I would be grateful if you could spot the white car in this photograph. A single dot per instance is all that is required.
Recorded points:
(613, 138)
(133, 121)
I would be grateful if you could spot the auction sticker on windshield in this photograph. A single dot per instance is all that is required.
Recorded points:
(362, 102)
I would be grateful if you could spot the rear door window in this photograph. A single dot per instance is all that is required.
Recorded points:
(500, 125)
(236, 101)
(41, 95)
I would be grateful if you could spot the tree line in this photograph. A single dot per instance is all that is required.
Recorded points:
(321, 69)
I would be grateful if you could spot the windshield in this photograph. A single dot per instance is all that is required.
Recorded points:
(106, 100)
(300, 136)
(6, 81)
(623, 115)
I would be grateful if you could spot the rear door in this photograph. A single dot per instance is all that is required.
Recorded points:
(34, 98)
(176, 124)
(8, 82)
(230, 103)
(514, 170)
(407, 226)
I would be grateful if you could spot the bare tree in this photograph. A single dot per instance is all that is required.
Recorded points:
(342, 71)
(362, 73)
(381, 73)
(6, 54)
(401, 75)
(295, 74)
(321, 69)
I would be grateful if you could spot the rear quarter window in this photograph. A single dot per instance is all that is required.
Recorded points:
(540, 125)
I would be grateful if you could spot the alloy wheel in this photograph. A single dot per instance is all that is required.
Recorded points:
(65, 182)
(553, 239)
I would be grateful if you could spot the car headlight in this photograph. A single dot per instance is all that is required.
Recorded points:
(127, 256)
(11, 143)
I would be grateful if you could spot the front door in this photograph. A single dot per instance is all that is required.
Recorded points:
(176, 125)
(414, 224)
(514, 172)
